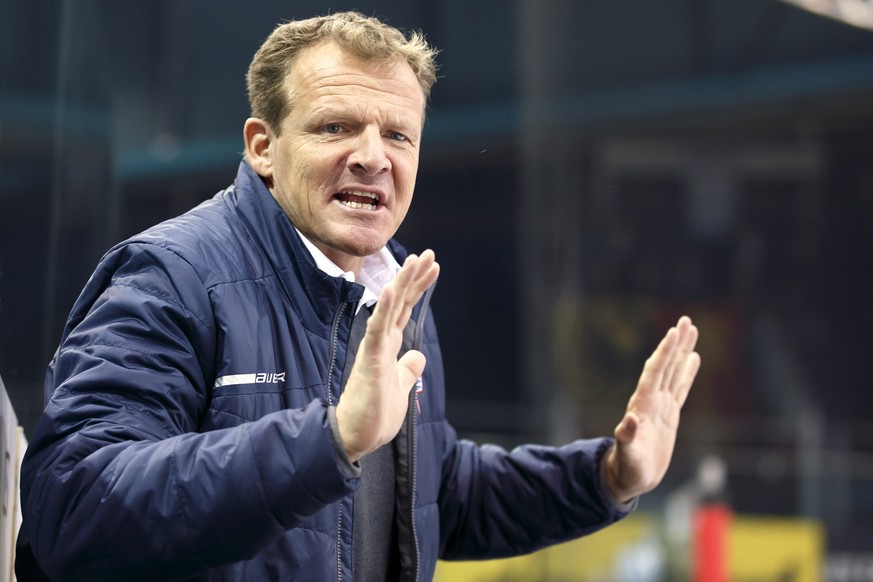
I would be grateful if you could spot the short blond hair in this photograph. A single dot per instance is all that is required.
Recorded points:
(364, 37)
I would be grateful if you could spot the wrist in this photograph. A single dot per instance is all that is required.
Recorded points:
(349, 464)
(620, 494)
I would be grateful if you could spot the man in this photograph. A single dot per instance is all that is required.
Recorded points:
(227, 402)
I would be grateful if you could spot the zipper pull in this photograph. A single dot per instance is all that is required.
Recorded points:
(419, 390)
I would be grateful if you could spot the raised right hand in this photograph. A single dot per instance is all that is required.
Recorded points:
(374, 401)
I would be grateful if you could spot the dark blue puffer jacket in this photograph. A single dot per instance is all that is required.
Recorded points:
(187, 433)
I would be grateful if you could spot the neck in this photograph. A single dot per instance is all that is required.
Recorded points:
(342, 260)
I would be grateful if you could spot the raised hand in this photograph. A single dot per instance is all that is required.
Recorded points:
(645, 437)
(371, 409)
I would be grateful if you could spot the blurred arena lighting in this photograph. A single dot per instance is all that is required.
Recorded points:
(855, 12)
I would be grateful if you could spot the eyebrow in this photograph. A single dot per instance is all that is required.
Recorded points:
(327, 112)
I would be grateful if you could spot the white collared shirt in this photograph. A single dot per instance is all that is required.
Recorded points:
(378, 270)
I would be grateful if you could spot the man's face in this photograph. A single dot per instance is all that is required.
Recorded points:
(344, 167)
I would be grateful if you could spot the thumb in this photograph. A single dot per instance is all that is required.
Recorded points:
(410, 367)
(626, 429)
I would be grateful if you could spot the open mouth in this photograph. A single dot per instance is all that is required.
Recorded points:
(357, 199)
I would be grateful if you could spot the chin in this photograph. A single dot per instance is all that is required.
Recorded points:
(365, 250)
(363, 246)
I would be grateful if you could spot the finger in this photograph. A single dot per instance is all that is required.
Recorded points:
(390, 306)
(382, 313)
(410, 368)
(688, 335)
(686, 377)
(403, 284)
(425, 273)
(401, 294)
(687, 341)
(656, 366)
(425, 280)
(406, 275)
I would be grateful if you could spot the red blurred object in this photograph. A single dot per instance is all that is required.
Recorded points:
(709, 544)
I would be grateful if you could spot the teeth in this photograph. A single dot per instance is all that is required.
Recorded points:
(357, 204)
(360, 205)
(364, 194)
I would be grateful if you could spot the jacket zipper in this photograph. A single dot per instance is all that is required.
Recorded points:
(334, 334)
(413, 422)
(413, 446)
(413, 441)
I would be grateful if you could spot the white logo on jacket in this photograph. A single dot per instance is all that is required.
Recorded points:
(256, 378)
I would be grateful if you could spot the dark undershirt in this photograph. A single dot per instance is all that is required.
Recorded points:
(374, 532)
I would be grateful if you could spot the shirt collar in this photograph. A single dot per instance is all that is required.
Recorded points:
(378, 270)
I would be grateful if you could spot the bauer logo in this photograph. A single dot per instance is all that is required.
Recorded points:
(269, 377)
(257, 378)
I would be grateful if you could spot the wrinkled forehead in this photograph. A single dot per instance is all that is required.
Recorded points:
(328, 70)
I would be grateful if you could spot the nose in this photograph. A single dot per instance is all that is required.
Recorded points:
(369, 156)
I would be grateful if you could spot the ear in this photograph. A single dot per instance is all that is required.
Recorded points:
(259, 137)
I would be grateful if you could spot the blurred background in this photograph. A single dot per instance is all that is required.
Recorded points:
(590, 171)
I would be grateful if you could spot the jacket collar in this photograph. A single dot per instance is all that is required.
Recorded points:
(273, 232)
(376, 272)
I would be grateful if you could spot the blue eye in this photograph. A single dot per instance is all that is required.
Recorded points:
(333, 128)
(397, 136)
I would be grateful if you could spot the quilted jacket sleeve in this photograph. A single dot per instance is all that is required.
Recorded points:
(116, 483)
(497, 503)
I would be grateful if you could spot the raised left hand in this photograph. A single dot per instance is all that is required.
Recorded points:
(646, 436)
